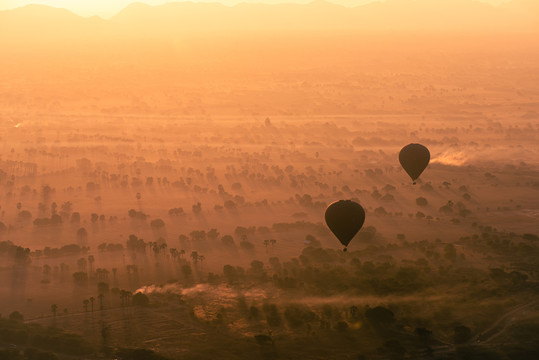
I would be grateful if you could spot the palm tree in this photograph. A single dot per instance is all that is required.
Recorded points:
(181, 253)
(91, 260)
(81, 263)
(266, 244)
(128, 296)
(100, 297)
(92, 299)
(173, 253)
(194, 256)
(201, 258)
(163, 247)
(46, 271)
(123, 296)
(102, 274)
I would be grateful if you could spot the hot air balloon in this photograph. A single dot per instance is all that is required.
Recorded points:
(345, 218)
(414, 158)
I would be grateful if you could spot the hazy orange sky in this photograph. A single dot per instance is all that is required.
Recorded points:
(107, 8)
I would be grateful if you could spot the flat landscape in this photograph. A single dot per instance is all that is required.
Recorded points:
(163, 196)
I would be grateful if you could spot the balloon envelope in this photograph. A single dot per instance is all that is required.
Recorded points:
(345, 218)
(414, 158)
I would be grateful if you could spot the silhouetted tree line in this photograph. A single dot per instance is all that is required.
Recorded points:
(19, 254)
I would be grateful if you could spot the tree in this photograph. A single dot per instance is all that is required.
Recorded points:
(213, 234)
(341, 326)
(395, 349)
(230, 205)
(81, 263)
(80, 278)
(157, 225)
(91, 261)
(201, 258)
(230, 273)
(354, 313)
(264, 340)
(380, 316)
(447, 208)
(450, 252)
(124, 296)
(16, 316)
(56, 220)
(423, 334)
(297, 315)
(46, 270)
(273, 317)
(257, 267)
(75, 218)
(24, 217)
(100, 297)
(194, 256)
(66, 209)
(247, 246)
(187, 271)
(92, 299)
(228, 242)
(197, 208)
(140, 299)
(462, 334)
(105, 333)
(312, 241)
(82, 236)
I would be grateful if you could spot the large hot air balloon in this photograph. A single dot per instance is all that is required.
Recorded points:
(414, 158)
(344, 218)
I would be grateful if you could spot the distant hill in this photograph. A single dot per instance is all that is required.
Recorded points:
(32, 17)
(35, 22)
(444, 15)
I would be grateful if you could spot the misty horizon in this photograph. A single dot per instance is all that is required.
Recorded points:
(96, 8)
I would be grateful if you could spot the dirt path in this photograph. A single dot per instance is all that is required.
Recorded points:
(501, 324)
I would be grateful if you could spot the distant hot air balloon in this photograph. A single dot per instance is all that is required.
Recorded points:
(345, 218)
(414, 158)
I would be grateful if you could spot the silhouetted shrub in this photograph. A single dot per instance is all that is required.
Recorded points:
(462, 334)
(140, 299)
(16, 316)
(272, 315)
(297, 315)
(380, 316)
